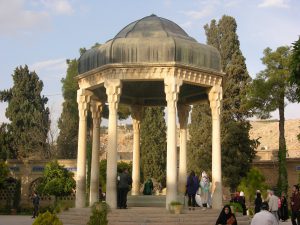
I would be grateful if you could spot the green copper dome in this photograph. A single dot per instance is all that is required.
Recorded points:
(151, 40)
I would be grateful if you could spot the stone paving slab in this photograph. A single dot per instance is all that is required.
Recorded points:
(16, 220)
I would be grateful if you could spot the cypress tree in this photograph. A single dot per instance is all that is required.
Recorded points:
(28, 114)
(153, 144)
(199, 145)
(223, 36)
(68, 122)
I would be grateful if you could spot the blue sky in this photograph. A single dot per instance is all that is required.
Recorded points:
(44, 33)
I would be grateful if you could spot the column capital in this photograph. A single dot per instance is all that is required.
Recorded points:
(96, 109)
(215, 95)
(136, 114)
(183, 114)
(83, 100)
(172, 87)
(113, 91)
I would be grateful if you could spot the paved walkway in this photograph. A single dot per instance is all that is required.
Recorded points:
(16, 220)
(27, 220)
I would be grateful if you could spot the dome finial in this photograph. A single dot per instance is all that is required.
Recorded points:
(152, 14)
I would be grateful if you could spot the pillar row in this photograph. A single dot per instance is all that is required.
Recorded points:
(136, 122)
(113, 91)
(183, 115)
(172, 86)
(83, 100)
(215, 97)
(96, 108)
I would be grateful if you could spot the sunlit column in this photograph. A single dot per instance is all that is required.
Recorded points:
(172, 86)
(96, 108)
(82, 99)
(113, 91)
(215, 97)
(136, 122)
(183, 115)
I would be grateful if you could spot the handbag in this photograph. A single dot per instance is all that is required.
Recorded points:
(231, 220)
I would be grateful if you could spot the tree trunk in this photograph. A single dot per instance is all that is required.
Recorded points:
(282, 175)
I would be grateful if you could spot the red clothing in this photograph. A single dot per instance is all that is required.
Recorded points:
(295, 202)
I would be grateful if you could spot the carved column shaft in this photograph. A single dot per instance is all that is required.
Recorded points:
(96, 108)
(215, 97)
(172, 86)
(83, 100)
(113, 91)
(183, 115)
(136, 122)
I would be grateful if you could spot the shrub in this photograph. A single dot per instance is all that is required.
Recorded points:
(236, 207)
(47, 218)
(99, 214)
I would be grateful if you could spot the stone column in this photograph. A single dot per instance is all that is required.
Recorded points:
(215, 97)
(113, 91)
(183, 115)
(172, 86)
(136, 122)
(96, 108)
(83, 100)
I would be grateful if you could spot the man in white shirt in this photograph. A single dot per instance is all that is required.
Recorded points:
(273, 204)
(264, 217)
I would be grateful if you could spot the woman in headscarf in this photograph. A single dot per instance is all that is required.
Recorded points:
(226, 217)
(192, 186)
(204, 184)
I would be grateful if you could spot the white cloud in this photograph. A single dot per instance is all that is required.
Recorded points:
(59, 6)
(53, 69)
(274, 3)
(196, 15)
(186, 25)
(15, 19)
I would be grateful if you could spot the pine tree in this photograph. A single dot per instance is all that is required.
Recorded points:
(295, 68)
(268, 92)
(295, 71)
(223, 36)
(28, 115)
(153, 144)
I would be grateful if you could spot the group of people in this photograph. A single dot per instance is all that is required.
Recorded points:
(275, 209)
(194, 186)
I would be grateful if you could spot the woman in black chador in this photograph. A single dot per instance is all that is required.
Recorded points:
(283, 210)
(226, 217)
(258, 201)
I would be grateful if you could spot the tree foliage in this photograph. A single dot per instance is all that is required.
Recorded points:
(295, 70)
(237, 148)
(268, 92)
(153, 144)
(6, 149)
(254, 180)
(4, 171)
(68, 121)
(199, 145)
(28, 115)
(295, 67)
(56, 180)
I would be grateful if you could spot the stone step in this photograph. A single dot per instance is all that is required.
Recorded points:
(147, 216)
(146, 201)
(160, 216)
(75, 216)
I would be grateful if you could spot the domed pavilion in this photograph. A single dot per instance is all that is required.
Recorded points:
(150, 62)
